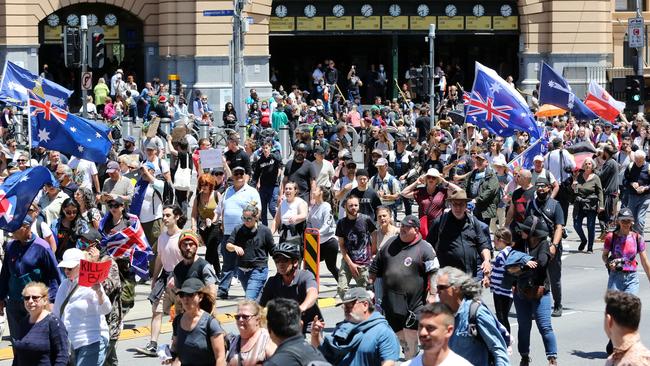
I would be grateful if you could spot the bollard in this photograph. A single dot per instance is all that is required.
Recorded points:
(166, 125)
(285, 143)
(204, 130)
(312, 252)
(127, 126)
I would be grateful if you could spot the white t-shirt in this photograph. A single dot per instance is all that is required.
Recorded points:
(452, 359)
(170, 254)
(84, 171)
(45, 229)
(163, 165)
(152, 205)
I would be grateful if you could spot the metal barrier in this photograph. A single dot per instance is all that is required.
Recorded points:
(127, 126)
(285, 142)
(166, 125)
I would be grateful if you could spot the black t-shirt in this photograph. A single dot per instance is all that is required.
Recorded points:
(368, 201)
(551, 209)
(302, 174)
(423, 123)
(405, 269)
(266, 170)
(257, 245)
(356, 237)
(294, 351)
(238, 158)
(432, 164)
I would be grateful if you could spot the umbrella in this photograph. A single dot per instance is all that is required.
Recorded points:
(548, 110)
(580, 147)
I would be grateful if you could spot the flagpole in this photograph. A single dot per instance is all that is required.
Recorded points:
(29, 129)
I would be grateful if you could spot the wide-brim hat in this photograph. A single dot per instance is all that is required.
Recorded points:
(458, 195)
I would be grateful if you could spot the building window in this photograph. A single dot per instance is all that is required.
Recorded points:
(629, 5)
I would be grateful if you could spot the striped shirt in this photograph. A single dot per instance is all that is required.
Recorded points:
(498, 270)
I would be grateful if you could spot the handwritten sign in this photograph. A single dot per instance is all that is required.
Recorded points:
(91, 273)
(211, 158)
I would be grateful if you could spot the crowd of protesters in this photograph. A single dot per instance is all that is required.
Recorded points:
(470, 221)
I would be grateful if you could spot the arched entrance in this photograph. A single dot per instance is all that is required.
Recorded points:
(123, 33)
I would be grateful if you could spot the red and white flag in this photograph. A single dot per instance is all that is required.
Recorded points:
(599, 101)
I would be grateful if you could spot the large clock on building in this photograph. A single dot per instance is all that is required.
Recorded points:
(281, 11)
(53, 20)
(451, 10)
(506, 10)
(92, 19)
(423, 10)
(366, 10)
(395, 10)
(110, 20)
(72, 20)
(338, 10)
(310, 11)
(478, 10)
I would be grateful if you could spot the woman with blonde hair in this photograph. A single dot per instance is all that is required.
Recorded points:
(41, 338)
(588, 202)
(253, 345)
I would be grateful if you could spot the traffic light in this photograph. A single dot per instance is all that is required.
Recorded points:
(72, 47)
(97, 49)
(634, 90)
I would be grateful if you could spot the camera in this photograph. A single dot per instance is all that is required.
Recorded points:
(617, 264)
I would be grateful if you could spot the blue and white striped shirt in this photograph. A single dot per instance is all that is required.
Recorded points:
(498, 271)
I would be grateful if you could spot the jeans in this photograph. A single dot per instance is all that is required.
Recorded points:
(253, 281)
(555, 275)
(639, 206)
(578, 217)
(623, 281)
(541, 310)
(92, 354)
(502, 305)
(228, 269)
(269, 201)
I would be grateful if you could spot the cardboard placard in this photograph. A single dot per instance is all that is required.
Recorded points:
(178, 133)
(153, 127)
(91, 273)
(211, 158)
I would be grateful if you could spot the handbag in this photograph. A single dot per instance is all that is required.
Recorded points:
(532, 293)
(183, 176)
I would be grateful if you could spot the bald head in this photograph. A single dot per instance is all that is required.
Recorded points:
(525, 177)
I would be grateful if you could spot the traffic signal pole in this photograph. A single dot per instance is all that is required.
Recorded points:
(84, 62)
(639, 58)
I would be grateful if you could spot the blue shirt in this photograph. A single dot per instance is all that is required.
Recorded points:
(234, 203)
(26, 262)
(473, 349)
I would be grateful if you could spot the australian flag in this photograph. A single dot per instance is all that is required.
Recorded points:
(138, 197)
(17, 83)
(131, 243)
(525, 159)
(497, 106)
(555, 90)
(56, 129)
(17, 193)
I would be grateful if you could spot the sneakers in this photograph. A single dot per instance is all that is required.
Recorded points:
(552, 361)
(557, 311)
(150, 349)
(582, 246)
(525, 360)
(222, 296)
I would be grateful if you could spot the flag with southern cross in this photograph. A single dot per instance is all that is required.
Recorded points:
(496, 105)
(555, 90)
(17, 193)
(55, 129)
(526, 158)
(17, 83)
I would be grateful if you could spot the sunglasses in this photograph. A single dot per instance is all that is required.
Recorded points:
(70, 212)
(21, 160)
(244, 317)
(114, 205)
(33, 298)
(442, 287)
(239, 172)
(247, 218)
(183, 294)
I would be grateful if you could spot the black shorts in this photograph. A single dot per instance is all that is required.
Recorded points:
(398, 322)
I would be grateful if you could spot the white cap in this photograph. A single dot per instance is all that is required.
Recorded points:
(433, 172)
(538, 158)
(499, 161)
(71, 258)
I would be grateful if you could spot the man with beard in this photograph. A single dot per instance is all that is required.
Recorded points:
(129, 146)
(301, 171)
(363, 338)
(193, 266)
(435, 328)
(293, 283)
(549, 210)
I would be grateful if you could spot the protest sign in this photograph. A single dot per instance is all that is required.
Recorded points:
(91, 273)
(211, 158)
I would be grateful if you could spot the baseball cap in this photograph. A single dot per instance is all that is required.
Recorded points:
(625, 214)
(191, 286)
(27, 220)
(538, 158)
(362, 173)
(481, 156)
(117, 199)
(381, 162)
(151, 145)
(378, 152)
(411, 221)
(433, 172)
(112, 167)
(71, 258)
(319, 150)
(238, 168)
(355, 294)
(499, 161)
(301, 147)
(130, 139)
(542, 181)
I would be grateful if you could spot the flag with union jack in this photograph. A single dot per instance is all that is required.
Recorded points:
(56, 129)
(131, 243)
(526, 158)
(496, 105)
(17, 193)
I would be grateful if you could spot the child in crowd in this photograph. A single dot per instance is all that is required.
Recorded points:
(502, 295)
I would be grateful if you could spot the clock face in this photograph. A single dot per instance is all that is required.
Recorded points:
(338, 10)
(73, 20)
(450, 10)
(310, 11)
(110, 20)
(281, 11)
(92, 19)
(394, 10)
(366, 10)
(478, 10)
(423, 10)
(506, 10)
(53, 20)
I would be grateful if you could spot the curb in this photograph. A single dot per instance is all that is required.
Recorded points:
(6, 353)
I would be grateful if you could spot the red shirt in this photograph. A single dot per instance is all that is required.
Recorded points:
(431, 205)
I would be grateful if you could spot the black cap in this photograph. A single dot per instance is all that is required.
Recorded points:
(117, 199)
(625, 214)
(411, 221)
(319, 150)
(540, 229)
(91, 235)
(191, 286)
(542, 181)
(301, 146)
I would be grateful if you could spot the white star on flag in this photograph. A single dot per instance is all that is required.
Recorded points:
(98, 135)
(73, 129)
(80, 148)
(24, 179)
(136, 190)
(89, 140)
(43, 135)
(495, 87)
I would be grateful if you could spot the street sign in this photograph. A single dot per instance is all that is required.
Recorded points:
(635, 32)
(218, 13)
(87, 81)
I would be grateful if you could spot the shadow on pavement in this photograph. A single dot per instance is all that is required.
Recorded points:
(590, 355)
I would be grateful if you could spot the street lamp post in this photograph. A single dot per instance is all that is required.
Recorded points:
(238, 66)
(639, 58)
(84, 61)
(432, 94)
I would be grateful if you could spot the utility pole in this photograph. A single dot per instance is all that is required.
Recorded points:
(238, 66)
(639, 53)
(432, 78)
(84, 61)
